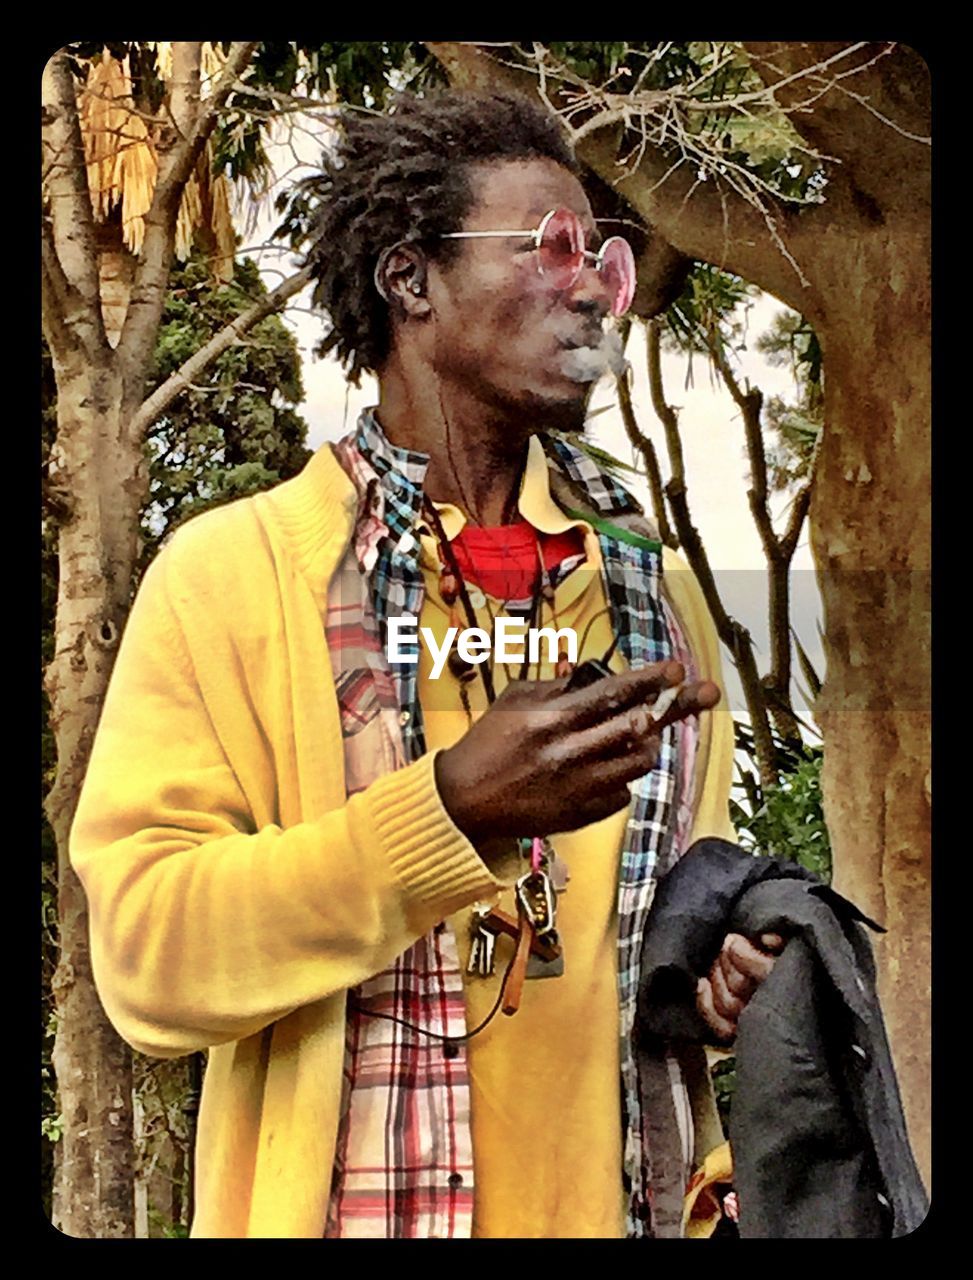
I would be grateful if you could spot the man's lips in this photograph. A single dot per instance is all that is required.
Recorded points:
(594, 338)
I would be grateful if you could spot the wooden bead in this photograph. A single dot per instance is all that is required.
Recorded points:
(448, 587)
(462, 670)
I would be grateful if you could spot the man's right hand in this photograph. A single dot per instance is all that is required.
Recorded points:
(542, 760)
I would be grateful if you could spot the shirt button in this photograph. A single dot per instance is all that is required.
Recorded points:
(477, 598)
(455, 1180)
(450, 1050)
(404, 717)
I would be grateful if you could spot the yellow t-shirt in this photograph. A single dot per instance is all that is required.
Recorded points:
(545, 1094)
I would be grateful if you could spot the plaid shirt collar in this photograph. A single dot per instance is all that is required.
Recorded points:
(393, 480)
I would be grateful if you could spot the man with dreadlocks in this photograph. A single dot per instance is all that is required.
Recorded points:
(330, 869)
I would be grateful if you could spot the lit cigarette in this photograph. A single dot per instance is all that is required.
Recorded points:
(665, 700)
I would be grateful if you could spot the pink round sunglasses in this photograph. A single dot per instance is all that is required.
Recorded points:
(561, 254)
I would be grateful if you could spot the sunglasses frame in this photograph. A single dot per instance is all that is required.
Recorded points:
(536, 234)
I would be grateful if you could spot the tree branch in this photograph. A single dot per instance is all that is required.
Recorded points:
(156, 404)
(56, 300)
(732, 633)
(644, 446)
(707, 221)
(179, 151)
(799, 510)
(56, 332)
(72, 218)
(664, 411)
(872, 109)
(750, 404)
(195, 120)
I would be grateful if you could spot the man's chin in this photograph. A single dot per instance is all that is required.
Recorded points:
(561, 413)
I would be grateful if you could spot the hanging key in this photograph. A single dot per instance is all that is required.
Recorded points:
(476, 951)
(482, 944)
(487, 948)
(500, 922)
(535, 898)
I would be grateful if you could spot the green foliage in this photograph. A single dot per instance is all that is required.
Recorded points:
(787, 820)
(172, 1230)
(595, 60)
(364, 73)
(791, 343)
(237, 431)
(52, 1127)
(707, 315)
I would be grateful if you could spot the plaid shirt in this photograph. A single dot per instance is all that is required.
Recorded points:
(404, 1161)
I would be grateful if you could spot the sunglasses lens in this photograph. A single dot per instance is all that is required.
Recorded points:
(618, 270)
(561, 248)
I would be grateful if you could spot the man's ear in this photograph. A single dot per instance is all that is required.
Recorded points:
(400, 277)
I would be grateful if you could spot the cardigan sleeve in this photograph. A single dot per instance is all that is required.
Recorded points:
(204, 929)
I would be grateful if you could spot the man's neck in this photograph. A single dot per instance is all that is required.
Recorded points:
(476, 458)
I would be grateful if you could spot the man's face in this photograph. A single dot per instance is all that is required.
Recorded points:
(502, 329)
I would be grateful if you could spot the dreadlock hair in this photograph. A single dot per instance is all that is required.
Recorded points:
(404, 175)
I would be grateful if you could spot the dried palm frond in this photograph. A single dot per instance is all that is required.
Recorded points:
(137, 170)
(119, 149)
(163, 58)
(104, 113)
(122, 160)
(211, 64)
(222, 224)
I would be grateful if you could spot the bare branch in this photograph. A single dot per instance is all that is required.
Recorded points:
(733, 634)
(799, 510)
(874, 114)
(72, 218)
(160, 399)
(664, 412)
(750, 404)
(709, 221)
(195, 120)
(644, 446)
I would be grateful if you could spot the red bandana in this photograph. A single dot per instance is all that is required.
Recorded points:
(502, 560)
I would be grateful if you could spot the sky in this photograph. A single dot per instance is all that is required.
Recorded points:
(710, 425)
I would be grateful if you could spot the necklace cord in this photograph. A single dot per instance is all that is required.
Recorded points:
(584, 638)
(436, 1035)
(446, 548)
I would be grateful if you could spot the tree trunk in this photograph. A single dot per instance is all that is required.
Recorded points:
(102, 479)
(116, 273)
(871, 537)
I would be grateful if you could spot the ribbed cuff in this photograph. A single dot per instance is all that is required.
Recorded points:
(430, 855)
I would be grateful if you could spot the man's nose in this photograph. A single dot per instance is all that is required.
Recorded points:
(589, 294)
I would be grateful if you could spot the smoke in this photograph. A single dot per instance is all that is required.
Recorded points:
(588, 363)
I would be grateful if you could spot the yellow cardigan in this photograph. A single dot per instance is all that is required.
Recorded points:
(234, 893)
